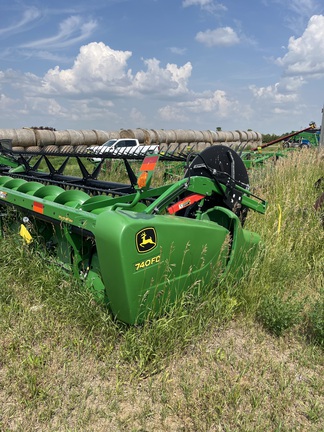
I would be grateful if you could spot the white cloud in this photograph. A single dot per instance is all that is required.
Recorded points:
(302, 62)
(216, 103)
(305, 54)
(179, 76)
(5, 102)
(208, 5)
(172, 113)
(98, 76)
(222, 36)
(98, 68)
(201, 3)
(178, 51)
(296, 13)
(71, 31)
(45, 55)
(291, 84)
(137, 116)
(303, 7)
(55, 109)
(211, 101)
(29, 15)
(285, 91)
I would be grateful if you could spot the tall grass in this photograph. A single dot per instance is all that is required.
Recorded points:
(245, 355)
(286, 281)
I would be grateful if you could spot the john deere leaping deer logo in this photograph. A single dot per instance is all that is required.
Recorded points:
(146, 240)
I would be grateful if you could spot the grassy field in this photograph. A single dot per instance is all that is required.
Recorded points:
(246, 356)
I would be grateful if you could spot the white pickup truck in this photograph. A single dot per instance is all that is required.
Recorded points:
(122, 146)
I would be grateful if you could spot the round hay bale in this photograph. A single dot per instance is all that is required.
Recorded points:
(89, 137)
(9, 134)
(228, 136)
(197, 136)
(209, 136)
(33, 149)
(76, 137)
(62, 137)
(171, 136)
(114, 134)
(103, 136)
(180, 135)
(141, 135)
(129, 133)
(154, 133)
(25, 137)
(236, 136)
(193, 135)
(220, 137)
(161, 136)
(254, 136)
(258, 136)
(150, 136)
(44, 137)
(243, 135)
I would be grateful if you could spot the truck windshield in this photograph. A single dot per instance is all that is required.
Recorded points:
(109, 143)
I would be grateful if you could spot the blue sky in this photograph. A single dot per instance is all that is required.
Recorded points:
(162, 64)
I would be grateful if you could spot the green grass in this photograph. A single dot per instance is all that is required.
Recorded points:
(246, 356)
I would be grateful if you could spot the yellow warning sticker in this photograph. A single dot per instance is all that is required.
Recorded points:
(25, 234)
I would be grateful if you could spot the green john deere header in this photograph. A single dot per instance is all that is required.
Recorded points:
(135, 246)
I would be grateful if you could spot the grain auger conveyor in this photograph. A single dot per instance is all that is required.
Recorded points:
(137, 247)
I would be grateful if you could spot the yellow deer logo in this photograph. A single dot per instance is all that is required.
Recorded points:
(146, 240)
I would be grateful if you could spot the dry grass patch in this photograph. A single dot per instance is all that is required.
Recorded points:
(237, 378)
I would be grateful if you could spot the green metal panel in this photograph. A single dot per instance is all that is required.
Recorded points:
(184, 251)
